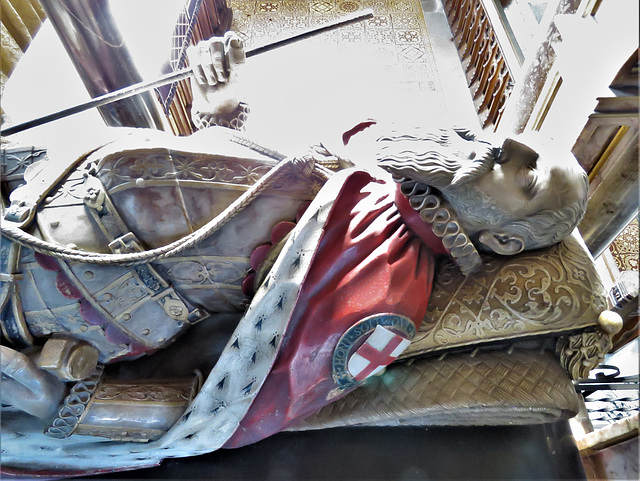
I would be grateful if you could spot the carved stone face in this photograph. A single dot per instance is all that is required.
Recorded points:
(521, 183)
(508, 199)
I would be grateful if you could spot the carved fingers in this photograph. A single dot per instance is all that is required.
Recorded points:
(215, 64)
(214, 60)
(201, 61)
(234, 49)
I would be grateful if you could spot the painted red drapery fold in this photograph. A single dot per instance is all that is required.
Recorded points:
(368, 262)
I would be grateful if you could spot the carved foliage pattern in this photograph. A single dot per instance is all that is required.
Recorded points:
(206, 272)
(121, 169)
(144, 392)
(13, 163)
(120, 434)
(550, 290)
(70, 192)
(122, 295)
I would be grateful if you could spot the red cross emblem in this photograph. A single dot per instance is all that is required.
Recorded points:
(380, 349)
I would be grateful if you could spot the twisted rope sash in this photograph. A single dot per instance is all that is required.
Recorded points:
(305, 165)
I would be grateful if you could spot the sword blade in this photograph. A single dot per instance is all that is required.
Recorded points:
(179, 75)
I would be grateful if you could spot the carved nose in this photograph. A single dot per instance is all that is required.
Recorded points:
(517, 152)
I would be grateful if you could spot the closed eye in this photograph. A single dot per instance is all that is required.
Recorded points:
(530, 180)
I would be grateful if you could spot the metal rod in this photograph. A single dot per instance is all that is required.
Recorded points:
(179, 75)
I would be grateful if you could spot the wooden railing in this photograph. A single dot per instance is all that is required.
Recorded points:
(213, 17)
(484, 59)
(21, 19)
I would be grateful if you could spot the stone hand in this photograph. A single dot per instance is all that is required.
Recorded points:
(215, 63)
(27, 387)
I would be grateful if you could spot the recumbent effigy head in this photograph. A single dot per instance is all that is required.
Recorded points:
(508, 197)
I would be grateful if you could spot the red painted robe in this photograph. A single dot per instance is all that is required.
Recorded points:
(368, 262)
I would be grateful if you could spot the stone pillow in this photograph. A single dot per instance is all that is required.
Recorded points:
(553, 291)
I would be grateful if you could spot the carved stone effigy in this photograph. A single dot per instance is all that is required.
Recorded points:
(126, 311)
(308, 283)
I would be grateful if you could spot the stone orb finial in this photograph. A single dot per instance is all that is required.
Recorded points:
(610, 322)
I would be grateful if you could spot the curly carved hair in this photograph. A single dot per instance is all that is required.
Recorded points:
(418, 155)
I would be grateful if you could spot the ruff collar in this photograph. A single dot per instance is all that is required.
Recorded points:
(441, 217)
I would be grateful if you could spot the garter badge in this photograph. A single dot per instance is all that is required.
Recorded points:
(369, 346)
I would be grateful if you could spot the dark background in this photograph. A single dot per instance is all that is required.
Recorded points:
(543, 452)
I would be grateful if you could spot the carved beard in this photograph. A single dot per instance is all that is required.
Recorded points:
(434, 159)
